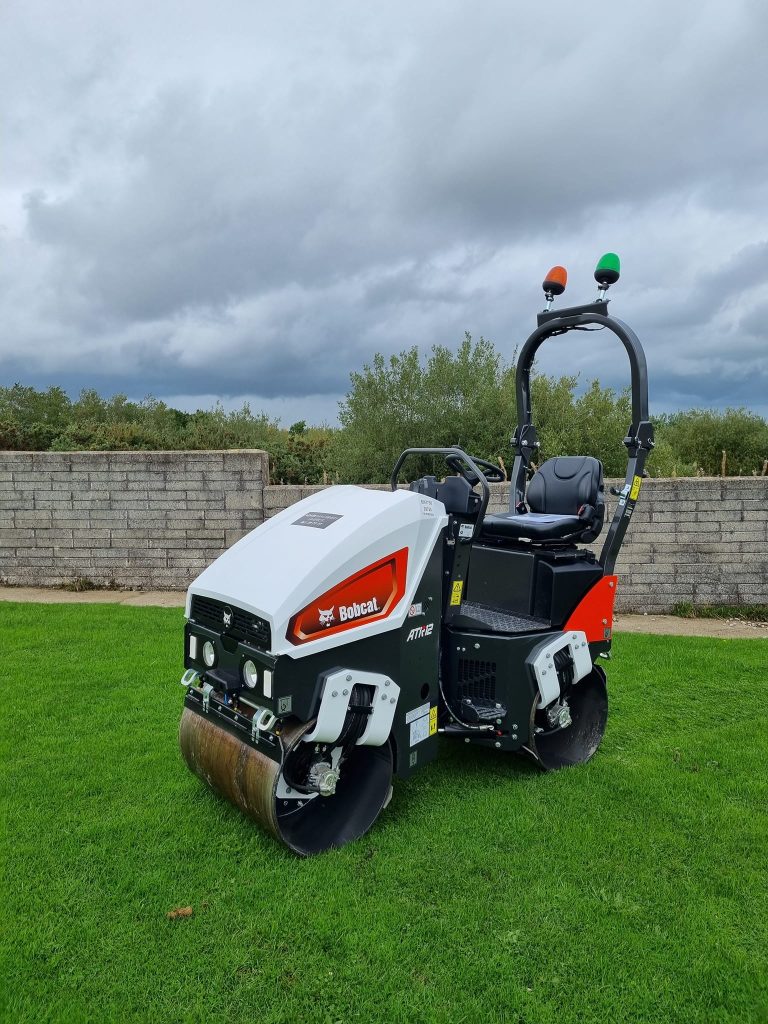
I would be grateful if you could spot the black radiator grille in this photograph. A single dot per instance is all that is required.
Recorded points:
(245, 625)
(477, 679)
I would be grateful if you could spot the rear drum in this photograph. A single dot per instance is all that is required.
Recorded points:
(575, 744)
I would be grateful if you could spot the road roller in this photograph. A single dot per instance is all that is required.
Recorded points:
(345, 640)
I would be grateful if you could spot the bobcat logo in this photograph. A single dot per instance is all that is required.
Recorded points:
(326, 617)
(228, 616)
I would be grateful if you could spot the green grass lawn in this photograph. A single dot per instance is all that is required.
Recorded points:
(632, 889)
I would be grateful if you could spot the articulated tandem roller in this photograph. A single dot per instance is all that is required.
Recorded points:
(350, 787)
(339, 642)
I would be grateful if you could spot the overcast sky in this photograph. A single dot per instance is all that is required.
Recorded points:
(248, 200)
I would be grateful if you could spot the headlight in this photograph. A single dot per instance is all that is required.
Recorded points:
(250, 675)
(209, 654)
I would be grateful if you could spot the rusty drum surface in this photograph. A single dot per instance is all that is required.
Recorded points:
(249, 780)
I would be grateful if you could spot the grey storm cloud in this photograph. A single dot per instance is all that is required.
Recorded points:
(250, 201)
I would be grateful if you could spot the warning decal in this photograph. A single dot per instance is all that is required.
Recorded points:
(456, 591)
(635, 488)
(419, 730)
(415, 713)
(424, 726)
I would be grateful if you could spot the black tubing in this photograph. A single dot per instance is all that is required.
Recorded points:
(630, 341)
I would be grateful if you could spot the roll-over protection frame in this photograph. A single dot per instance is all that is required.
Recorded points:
(639, 439)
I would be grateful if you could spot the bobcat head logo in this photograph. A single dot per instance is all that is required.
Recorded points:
(326, 617)
(228, 616)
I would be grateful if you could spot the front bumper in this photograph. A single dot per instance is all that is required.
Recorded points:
(253, 725)
(226, 674)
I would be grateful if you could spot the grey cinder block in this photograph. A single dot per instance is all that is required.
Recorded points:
(128, 515)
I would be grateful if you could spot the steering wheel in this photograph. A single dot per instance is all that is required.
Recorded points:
(493, 474)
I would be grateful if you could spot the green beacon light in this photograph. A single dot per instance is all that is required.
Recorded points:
(554, 284)
(607, 272)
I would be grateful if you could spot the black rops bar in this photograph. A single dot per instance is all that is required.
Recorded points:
(575, 319)
(639, 439)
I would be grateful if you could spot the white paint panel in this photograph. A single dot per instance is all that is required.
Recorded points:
(334, 704)
(280, 567)
(541, 660)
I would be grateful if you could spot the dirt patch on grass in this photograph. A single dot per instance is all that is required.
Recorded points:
(673, 625)
(52, 595)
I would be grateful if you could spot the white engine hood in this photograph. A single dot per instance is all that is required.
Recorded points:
(284, 564)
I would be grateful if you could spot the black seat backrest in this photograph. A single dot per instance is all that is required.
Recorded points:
(566, 484)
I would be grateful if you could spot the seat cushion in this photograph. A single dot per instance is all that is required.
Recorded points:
(535, 526)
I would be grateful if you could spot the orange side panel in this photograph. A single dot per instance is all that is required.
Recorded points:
(368, 596)
(593, 615)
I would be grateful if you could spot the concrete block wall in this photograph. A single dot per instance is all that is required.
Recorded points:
(703, 540)
(700, 539)
(130, 519)
(156, 519)
(281, 496)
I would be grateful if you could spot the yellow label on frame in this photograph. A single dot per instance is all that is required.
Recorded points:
(456, 592)
(635, 488)
(432, 721)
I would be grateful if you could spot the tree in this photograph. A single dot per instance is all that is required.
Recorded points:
(464, 397)
(37, 416)
(700, 436)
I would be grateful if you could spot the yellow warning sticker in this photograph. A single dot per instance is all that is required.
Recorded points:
(432, 721)
(456, 591)
(635, 488)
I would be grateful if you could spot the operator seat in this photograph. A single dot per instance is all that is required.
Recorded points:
(565, 503)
